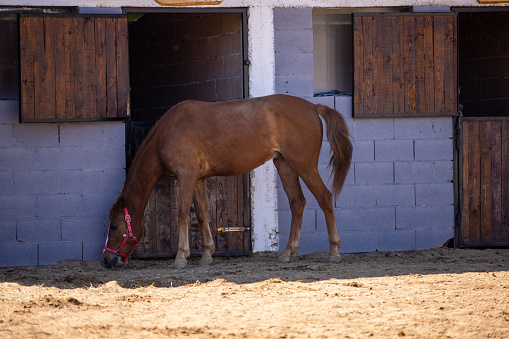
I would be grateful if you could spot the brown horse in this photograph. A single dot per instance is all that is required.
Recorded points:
(196, 140)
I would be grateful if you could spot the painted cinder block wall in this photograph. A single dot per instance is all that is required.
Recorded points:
(399, 192)
(57, 182)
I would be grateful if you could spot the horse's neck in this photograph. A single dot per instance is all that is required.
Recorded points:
(143, 175)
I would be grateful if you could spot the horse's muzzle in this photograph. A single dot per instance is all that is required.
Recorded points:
(112, 260)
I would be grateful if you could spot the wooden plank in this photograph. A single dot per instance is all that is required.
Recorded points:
(409, 63)
(39, 66)
(464, 208)
(486, 234)
(162, 223)
(420, 90)
(122, 67)
(387, 106)
(60, 69)
(69, 68)
(358, 93)
(398, 93)
(369, 64)
(450, 64)
(27, 68)
(439, 62)
(172, 232)
(49, 100)
(496, 179)
(100, 66)
(79, 71)
(474, 208)
(89, 78)
(111, 67)
(504, 230)
(429, 76)
(378, 81)
(222, 212)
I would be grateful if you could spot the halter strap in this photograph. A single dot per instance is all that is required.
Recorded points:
(126, 236)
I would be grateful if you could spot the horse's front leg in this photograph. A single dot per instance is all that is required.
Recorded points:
(200, 205)
(186, 189)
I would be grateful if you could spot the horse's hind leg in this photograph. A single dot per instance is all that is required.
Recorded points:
(291, 184)
(200, 204)
(324, 198)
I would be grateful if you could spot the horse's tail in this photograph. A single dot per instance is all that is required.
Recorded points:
(340, 145)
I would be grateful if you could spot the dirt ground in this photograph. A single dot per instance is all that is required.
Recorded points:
(442, 293)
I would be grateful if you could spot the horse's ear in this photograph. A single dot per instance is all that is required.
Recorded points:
(118, 207)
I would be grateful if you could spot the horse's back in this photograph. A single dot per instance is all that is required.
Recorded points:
(233, 137)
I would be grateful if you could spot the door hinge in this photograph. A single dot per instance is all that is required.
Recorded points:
(232, 229)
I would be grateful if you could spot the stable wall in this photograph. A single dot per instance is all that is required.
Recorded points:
(399, 193)
(57, 182)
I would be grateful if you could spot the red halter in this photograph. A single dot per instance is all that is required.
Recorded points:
(126, 236)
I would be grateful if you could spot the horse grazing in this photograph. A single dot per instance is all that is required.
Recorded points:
(195, 140)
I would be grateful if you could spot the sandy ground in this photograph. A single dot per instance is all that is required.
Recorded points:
(443, 293)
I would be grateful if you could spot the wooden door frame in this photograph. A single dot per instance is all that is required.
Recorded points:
(129, 125)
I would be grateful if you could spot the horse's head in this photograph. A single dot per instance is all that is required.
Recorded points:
(120, 241)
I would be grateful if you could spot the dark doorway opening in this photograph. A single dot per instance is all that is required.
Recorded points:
(174, 57)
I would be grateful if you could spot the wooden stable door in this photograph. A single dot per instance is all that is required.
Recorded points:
(227, 214)
(484, 183)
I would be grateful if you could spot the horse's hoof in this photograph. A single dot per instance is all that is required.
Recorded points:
(283, 260)
(205, 261)
(334, 258)
(180, 264)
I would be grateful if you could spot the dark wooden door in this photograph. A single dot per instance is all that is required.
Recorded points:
(228, 213)
(484, 182)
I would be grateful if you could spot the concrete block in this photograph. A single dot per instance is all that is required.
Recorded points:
(358, 241)
(300, 85)
(37, 230)
(8, 230)
(357, 196)
(17, 207)
(18, 253)
(36, 135)
(363, 151)
(413, 172)
(16, 158)
(50, 252)
(84, 229)
(9, 111)
(374, 129)
(327, 101)
(374, 173)
(6, 135)
(360, 219)
(344, 106)
(426, 239)
(413, 128)
(395, 195)
(443, 128)
(93, 250)
(97, 205)
(325, 153)
(308, 221)
(60, 205)
(58, 158)
(443, 171)
(434, 194)
(433, 150)
(35, 182)
(287, 63)
(293, 19)
(92, 134)
(7, 183)
(423, 217)
(314, 243)
(394, 150)
(293, 41)
(91, 181)
(396, 240)
(103, 157)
